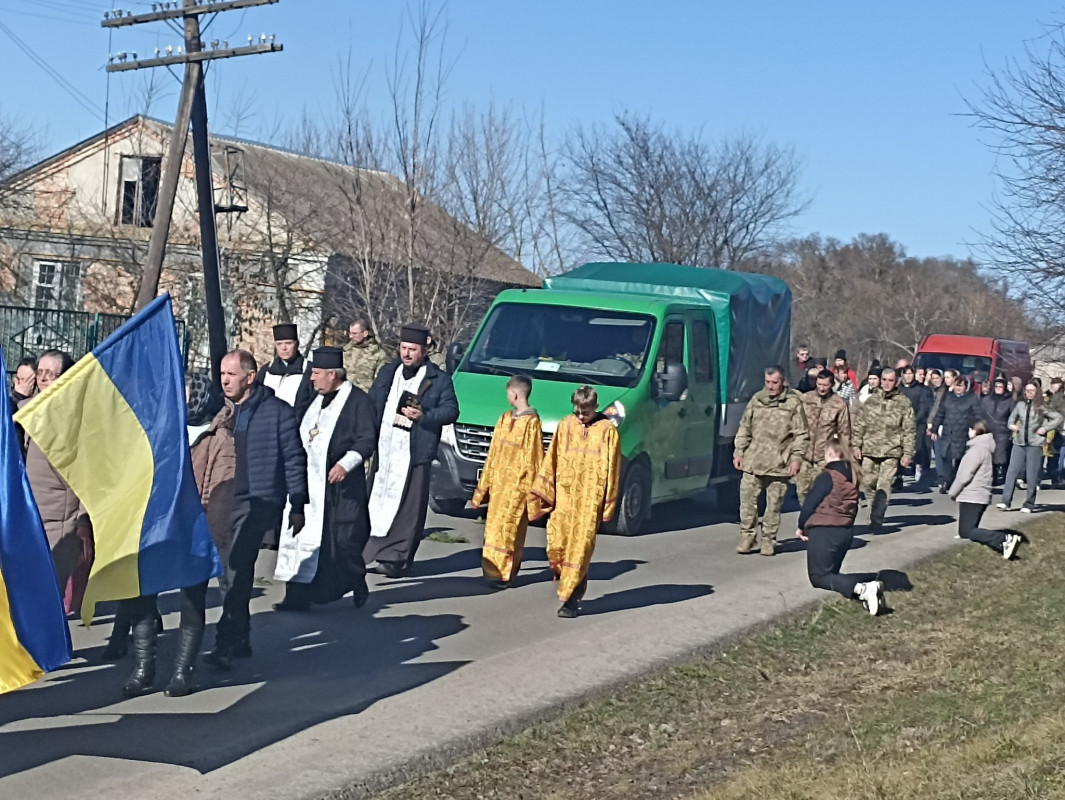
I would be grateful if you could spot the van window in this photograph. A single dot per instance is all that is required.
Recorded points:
(964, 365)
(671, 350)
(562, 343)
(702, 362)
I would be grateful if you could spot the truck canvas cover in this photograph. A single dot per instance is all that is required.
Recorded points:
(752, 313)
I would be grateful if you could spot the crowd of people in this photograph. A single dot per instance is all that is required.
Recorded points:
(332, 455)
(1003, 432)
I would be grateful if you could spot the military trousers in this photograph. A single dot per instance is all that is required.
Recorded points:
(806, 477)
(878, 476)
(751, 488)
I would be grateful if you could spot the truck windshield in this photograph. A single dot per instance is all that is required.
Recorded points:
(968, 366)
(561, 343)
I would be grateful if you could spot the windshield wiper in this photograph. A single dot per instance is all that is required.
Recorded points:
(496, 370)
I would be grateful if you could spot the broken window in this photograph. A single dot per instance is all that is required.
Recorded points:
(138, 181)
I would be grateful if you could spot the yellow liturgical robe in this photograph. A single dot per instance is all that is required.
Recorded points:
(578, 485)
(513, 460)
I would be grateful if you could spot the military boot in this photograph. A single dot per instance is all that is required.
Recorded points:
(748, 544)
(769, 546)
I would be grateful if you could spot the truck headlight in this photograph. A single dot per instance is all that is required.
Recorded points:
(447, 436)
(615, 412)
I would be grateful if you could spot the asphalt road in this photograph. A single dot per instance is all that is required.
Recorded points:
(339, 695)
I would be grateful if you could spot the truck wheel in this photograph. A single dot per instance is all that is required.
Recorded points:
(634, 504)
(449, 507)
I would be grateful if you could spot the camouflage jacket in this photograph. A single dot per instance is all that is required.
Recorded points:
(826, 417)
(885, 427)
(773, 434)
(363, 362)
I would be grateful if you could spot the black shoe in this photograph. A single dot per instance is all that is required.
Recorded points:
(498, 584)
(568, 611)
(220, 658)
(360, 595)
(142, 679)
(943, 489)
(116, 649)
(394, 569)
(289, 605)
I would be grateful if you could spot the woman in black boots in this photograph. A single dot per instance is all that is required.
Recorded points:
(212, 457)
(998, 406)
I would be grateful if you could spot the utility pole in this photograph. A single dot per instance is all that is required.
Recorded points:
(192, 107)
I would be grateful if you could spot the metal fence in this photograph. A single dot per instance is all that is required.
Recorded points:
(29, 332)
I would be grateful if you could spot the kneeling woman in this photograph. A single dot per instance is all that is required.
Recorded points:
(972, 491)
(826, 524)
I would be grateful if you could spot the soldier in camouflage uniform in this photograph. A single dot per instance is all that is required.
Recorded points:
(363, 356)
(884, 438)
(770, 445)
(829, 417)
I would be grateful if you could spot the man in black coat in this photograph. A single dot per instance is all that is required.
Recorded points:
(920, 396)
(413, 400)
(271, 467)
(958, 411)
(323, 562)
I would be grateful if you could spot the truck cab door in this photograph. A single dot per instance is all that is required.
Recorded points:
(700, 436)
(665, 433)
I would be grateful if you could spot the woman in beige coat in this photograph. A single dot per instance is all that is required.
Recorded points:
(66, 524)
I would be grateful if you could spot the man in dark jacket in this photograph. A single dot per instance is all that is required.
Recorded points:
(920, 396)
(271, 467)
(413, 400)
(959, 409)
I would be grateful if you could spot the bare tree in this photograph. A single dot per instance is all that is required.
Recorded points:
(1023, 108)
(638, 193)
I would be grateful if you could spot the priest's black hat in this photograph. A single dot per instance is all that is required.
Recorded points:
(328, 358)
(414, 333)
(285, 331)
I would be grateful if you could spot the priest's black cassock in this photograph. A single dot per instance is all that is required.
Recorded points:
(322, 567)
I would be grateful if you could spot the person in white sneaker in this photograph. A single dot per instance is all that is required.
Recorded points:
(1030, 422)
(826, 524)
(972, 491)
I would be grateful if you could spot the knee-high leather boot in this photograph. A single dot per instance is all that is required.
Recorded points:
(184, 683)
(142, 679)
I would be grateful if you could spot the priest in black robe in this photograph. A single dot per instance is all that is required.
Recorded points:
(324, 561)
(289, 374)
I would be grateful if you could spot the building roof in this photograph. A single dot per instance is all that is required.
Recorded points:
(357, 212)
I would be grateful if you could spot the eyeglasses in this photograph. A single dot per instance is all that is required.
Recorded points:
(47, 373)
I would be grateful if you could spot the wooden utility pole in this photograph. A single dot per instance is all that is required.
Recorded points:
(192, 107)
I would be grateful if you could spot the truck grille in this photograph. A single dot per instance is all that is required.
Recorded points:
(474, 441)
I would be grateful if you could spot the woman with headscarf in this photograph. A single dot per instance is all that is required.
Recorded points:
(998, 405)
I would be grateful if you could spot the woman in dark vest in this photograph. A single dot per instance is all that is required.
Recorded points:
(826, 524)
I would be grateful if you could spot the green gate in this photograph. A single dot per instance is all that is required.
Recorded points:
(30, 332)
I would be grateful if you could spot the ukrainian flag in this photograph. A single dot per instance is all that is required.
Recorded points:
(34, 637)
(114, 427)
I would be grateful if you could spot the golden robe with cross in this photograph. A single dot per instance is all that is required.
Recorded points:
(513, 460)
(578, 486)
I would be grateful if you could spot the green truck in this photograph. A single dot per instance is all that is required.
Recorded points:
(673, 352)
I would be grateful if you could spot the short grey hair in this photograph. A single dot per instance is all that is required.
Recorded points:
(775, 369)
(888, 371)
(341, 373)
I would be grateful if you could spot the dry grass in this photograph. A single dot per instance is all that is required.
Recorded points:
(960, 693)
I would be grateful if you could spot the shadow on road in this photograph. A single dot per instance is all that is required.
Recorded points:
(644, 596)
(307, 669)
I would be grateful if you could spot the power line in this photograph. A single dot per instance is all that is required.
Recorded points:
(80, 98)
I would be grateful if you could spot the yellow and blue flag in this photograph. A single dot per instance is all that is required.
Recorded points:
(113, 426)
(34, 637)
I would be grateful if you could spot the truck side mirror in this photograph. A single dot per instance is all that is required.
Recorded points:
(672, 383)
(455, 352)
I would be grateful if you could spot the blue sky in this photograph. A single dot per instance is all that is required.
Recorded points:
(870, 95)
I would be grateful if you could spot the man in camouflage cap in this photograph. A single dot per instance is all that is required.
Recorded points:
(829, 417)
(363, 356)
(770, 446)
(885, 435)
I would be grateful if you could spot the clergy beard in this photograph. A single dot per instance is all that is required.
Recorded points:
(411, 371)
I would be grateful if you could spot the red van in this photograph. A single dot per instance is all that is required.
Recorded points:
(975, 356)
